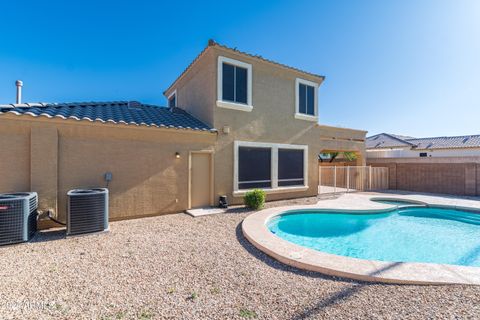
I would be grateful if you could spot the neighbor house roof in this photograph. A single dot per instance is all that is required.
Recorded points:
(117, 112)
(213, 43)
(385, 140)
(472, 141)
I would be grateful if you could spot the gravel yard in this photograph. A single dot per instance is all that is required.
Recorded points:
(179, 267)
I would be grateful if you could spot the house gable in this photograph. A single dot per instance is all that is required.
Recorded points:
(199, 87)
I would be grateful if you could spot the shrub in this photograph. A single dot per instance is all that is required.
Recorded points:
(254, 199)
(245, 313)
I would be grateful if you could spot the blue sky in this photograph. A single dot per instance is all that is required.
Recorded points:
(408, 67)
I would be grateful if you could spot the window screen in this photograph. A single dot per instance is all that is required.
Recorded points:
(290, 167)
(228, 84)
(302, 91)
(306, 99)
(172, 101)
(254, 168)
(240, 85)
(310, 101)
(234, 83)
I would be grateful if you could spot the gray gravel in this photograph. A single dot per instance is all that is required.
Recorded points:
(178, 267)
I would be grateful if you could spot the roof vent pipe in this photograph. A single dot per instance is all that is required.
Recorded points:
(19, 84)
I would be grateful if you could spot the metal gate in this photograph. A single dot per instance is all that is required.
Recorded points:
(335, 179)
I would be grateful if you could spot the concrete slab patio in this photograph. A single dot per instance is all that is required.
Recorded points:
(200, 212)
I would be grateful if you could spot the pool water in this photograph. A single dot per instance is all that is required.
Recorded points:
(409, 234)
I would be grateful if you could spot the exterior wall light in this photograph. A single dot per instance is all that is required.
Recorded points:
(177, 155)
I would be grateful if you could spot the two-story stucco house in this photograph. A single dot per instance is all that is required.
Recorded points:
(267, 118)
(234, 122)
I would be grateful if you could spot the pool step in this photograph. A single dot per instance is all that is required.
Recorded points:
(472, 218)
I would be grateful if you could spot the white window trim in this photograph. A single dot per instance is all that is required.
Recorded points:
(174, 93)
(274, 166)
(302, 116)
(228, 104)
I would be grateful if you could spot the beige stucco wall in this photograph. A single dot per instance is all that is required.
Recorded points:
(15, 157)
(66, 154)
(271, 120)
(44, 164)
(195, 90)
(225, 147)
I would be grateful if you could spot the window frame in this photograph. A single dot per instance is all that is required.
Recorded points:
(274, 147)
(298, 114)
(174, 93)
(248, 107)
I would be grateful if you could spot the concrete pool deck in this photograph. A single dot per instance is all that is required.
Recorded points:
(255, 230)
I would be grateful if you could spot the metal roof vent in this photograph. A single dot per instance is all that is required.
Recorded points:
(87, 211)
(19, 85)
(18, 217)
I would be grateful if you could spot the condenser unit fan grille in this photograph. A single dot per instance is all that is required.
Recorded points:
(11, 222)
(32, 223)
(86, 213)
(33, 204)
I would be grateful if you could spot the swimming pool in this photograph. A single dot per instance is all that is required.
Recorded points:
(408, 234)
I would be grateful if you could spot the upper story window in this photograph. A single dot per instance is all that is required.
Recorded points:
(306, 100)
(234, 84)
(172, 100)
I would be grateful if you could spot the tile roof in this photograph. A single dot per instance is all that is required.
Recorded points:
(118, 112)
(213, 43)
(472, 141)
(385, 140)
(398, 136)
(257, 56)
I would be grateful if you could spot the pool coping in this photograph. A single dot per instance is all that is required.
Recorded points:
(256, 231)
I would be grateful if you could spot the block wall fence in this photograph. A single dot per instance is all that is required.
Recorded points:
(455, 176)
